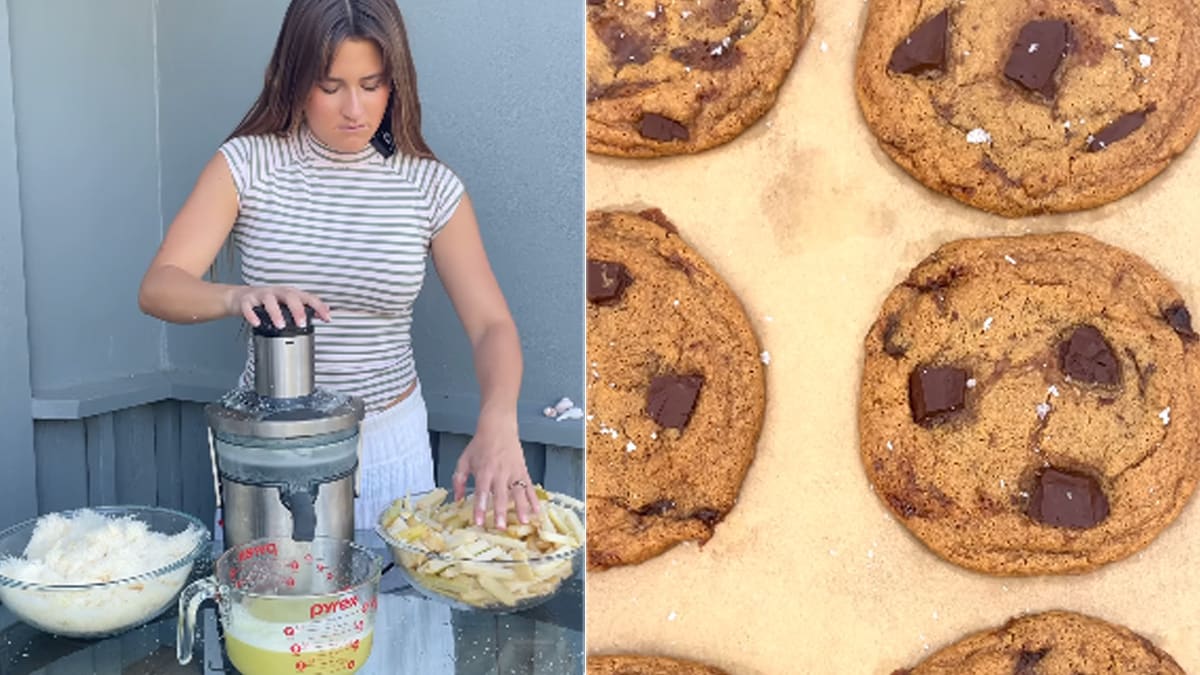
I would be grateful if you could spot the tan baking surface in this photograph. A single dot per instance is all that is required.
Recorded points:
(812, 225)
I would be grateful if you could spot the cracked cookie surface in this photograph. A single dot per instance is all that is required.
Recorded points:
(1021, 108)
(667, 77)
(676, 390)
(628, 664)
(1028, 404)
(1049, 643)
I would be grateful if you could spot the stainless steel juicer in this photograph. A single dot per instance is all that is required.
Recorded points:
(285, 452)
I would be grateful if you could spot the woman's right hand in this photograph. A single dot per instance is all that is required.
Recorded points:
(244, 299)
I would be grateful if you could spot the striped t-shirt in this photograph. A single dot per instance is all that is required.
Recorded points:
(354, 229)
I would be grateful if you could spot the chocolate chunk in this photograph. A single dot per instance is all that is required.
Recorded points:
(709, 517)
(939, 283)
(657, 508)
(1116, 130)
(933, 393)
(661, 128)
(1027, 661)
(992, 167)
(924, 49)
(1087, 357)
(606, 281)
(721, 11)
(701, 55)
(676, 261)
(1180, 319)
(671, 398)
(1039, 49)
(902, 506)
(659, 218)
(890, 347)
(595, 2)
(625, 46)
(1067, 499)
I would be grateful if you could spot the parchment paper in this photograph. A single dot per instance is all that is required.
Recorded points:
(812, 225)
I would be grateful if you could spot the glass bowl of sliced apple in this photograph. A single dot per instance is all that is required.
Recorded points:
(446, 557)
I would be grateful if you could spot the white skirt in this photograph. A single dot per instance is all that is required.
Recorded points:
(395, 459)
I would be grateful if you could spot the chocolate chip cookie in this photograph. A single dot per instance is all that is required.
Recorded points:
(626, 664)
(666, 77)
(1047, 644)
(1021, 108)
(676, 390)
(1029, 404)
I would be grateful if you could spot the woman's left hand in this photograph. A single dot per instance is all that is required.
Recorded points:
(495, 457)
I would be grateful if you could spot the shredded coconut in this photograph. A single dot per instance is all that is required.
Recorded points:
(89, 547)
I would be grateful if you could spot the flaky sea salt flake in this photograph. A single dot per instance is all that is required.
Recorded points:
(977, 136)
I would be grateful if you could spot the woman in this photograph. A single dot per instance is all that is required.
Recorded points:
(334, 200)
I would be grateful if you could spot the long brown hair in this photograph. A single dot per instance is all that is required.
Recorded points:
(311, 33)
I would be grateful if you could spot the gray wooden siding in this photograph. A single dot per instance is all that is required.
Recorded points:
(157, 454)
(153, 454)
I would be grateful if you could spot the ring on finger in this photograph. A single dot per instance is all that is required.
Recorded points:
(518, 483)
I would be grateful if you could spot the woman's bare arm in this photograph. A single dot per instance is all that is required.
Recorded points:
(174, 288)
(494, 455)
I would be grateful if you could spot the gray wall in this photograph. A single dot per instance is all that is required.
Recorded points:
(117, 105)
(83, 91)
(504, 108)
(16, 427)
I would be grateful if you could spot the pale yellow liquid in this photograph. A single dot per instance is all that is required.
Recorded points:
(254, 660)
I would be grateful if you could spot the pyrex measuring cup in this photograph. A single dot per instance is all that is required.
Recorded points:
(289, 606)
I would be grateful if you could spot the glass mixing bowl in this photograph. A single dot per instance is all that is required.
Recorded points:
(474, 577)
(101, 609)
